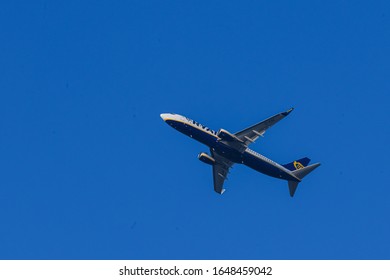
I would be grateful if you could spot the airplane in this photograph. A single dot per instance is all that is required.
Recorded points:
(227, 149)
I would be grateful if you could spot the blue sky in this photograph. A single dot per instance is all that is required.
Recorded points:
(90, 171)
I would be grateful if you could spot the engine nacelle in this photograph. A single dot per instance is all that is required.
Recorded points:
(206, 158)
(227, 136)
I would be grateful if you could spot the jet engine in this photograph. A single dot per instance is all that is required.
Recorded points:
(206, 158)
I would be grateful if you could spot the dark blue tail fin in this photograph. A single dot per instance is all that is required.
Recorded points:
(297, 164)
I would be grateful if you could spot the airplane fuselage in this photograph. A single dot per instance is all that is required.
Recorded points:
(244, 156)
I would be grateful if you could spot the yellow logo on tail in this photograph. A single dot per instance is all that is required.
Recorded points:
(298, 165)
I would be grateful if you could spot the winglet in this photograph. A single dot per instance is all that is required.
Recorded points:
(288, 111)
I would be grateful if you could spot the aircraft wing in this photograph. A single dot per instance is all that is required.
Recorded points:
(250, 134)
(220, 171)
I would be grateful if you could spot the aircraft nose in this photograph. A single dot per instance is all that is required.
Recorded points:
(164, 116)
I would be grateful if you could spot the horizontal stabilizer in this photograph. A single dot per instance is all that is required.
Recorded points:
(292, 186)
(300, 173)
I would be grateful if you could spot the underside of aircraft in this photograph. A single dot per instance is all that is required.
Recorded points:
(228, 148)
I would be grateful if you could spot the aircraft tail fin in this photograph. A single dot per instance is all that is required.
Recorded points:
(300, 173)
(297, 164)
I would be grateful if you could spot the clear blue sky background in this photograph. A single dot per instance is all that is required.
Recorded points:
(90, 171)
